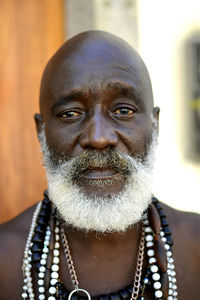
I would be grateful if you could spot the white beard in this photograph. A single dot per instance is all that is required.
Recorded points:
(101, 214)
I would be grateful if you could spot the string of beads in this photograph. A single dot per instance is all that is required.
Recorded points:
(43, 239)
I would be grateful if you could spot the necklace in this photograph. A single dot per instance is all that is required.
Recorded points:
(41, 255)
(74, 279)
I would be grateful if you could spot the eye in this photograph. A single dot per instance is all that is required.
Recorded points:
(70, 114)
(124, 111)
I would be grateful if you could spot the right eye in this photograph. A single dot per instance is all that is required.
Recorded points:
(70, 114)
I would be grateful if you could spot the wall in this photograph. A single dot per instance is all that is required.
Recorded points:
(30, 32)
(164, 26)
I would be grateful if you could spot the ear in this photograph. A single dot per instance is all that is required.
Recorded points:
(39, 123)
(156, 112)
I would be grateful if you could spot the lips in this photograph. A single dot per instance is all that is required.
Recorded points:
(100, 173)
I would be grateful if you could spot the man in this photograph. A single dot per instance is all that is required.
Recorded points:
(98, 128)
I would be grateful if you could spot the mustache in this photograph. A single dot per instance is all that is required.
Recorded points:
(91, 159)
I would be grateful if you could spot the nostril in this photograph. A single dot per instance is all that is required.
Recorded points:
(99, 141)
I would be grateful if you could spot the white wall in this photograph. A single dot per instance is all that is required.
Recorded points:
(163, 26)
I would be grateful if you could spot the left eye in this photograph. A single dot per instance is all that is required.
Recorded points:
(124, 111)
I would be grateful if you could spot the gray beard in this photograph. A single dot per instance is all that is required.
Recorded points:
(114, 213)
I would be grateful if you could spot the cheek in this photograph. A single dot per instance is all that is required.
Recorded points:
(61, 140)
(137, 137)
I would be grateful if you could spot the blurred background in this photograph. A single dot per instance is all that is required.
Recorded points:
(166, 33)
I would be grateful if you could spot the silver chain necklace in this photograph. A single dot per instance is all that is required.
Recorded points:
(74, 279)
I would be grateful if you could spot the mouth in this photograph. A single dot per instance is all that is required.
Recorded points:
(100, 174)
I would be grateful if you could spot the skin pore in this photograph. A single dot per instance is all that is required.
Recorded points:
(96, 94)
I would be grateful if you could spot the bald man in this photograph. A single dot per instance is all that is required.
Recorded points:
(98, 132)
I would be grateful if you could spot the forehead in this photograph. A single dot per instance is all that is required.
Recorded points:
(94, 67)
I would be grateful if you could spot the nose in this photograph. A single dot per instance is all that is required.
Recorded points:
(98, 134)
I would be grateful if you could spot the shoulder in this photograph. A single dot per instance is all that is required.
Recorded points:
(13, 235)
(185, 225)
(185, 234)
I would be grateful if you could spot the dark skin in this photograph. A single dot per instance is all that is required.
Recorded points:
(96, 94)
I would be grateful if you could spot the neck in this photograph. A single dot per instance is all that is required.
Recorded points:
(102, 242)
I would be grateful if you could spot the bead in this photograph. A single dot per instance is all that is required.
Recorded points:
(51, 298)
(160, 254)
(57, 245)
(44, 256)
(46, 243)
(41, 275)
(154, 219)
(149, 238)
(169, 253)
(156, 276)
(36, 256)
(165, 284)
(42, 221)
(158, 294)
(148, 229)
(24, 295)
(42, 269)
(169, 240)
(170, 298)
(150, 252)
(115, 296)
(41, 297)
(53, 281)
(38, 238)
(40, 228)
(41, 289)
(157, 285)
(166, 230)
(45, 250)
(154, 269)
(146, 280)
(44, 212)
(149, 244)
(124, 295)
(56, 230)
(56, 260)
(152, 260)
(55, 252)
(37, 266)
(164, 239)
(158, 206)
(164, 222)
(55, 268)
(162, 214)
(40, 282)
(52, 290)
(170, 292)
(167, 247)
(43, 261)
(36, 247)
(54, 275)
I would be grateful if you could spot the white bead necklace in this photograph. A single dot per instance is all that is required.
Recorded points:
(172, 291)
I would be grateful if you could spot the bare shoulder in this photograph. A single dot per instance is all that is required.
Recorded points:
(185, 227)
(13, 235)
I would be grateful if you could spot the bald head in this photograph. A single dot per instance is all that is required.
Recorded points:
(95, 53)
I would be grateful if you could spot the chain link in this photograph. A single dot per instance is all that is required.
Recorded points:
(70, 263)
(138, 271)
(139, 265)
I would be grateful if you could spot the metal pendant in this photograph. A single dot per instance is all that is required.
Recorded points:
(79, 290)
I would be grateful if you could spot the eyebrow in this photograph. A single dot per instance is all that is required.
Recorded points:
(125, 89)
(64, 99)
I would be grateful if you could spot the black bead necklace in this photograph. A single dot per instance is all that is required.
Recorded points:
(148, 280)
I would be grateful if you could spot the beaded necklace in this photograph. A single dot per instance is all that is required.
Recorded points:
(44, 236)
